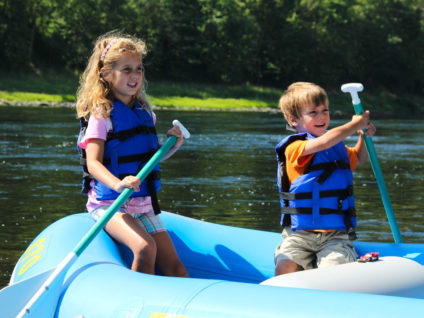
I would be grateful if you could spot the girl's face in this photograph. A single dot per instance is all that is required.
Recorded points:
(313, 119)
(126, 77)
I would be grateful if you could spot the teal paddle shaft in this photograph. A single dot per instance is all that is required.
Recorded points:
(123, 197)
(353, 88)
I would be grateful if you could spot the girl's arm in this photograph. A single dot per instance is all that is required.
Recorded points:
(175, 131)
(95, 151)
(337, 134)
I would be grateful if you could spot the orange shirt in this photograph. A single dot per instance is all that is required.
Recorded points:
(296, 165)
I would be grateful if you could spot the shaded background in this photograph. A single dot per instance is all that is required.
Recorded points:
(264, 42)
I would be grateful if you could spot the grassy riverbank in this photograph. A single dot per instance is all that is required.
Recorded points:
(59, 89)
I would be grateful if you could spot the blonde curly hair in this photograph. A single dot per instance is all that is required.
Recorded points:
(298, 95)
(94, 96)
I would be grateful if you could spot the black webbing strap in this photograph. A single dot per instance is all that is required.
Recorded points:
(143, 157)
(125, 134)
(349, 226)
(328, 167)
(86, 182)
(341, 194)
(299, 210)
(86, 176)
(153, 194)
(155, 175)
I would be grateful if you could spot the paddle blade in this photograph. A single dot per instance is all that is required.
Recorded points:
(14, 297)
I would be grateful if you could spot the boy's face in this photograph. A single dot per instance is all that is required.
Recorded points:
(313, 119)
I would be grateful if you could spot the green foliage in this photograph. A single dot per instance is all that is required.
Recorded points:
(266, 42)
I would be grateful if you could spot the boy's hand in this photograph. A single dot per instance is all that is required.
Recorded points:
(363, 121)
(369, 132)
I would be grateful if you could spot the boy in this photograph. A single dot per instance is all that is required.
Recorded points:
(315, 182)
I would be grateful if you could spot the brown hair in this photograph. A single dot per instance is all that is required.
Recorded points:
(298, 95)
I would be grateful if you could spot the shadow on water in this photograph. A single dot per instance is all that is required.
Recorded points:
(226, 173)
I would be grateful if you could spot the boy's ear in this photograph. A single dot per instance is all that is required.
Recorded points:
(293, 121)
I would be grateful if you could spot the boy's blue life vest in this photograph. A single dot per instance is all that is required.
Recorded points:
(321, 198)
(129, 146)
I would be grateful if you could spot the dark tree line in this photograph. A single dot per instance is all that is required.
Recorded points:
(266, 42)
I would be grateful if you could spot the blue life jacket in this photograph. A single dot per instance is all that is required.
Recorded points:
(129, 146)
(321, 198)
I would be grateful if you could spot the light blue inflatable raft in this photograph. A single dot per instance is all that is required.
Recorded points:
(231, 273)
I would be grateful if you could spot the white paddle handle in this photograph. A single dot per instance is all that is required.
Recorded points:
(185, 132)
(353, 89)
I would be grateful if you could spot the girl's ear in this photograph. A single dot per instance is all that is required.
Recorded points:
(103, 78)
(104, 75)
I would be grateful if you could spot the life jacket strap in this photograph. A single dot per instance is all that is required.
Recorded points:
(154, 175)
(125, 134)
(153, 194)
(328, 167)
(143, 157)
(86, 182)
(349, 226)
(299, 210)
(342, 194)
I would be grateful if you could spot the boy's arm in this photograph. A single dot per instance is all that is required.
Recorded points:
(337, 134)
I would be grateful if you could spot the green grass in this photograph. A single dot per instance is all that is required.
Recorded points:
(60, 88)
(48, 87)
(189, 95)
(51, 87)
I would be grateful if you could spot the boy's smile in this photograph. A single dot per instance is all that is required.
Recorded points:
(313, 119)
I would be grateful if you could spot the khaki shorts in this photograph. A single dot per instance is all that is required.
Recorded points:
(315, 249)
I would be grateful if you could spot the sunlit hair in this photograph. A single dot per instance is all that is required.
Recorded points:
(298, 95)
(94, 96)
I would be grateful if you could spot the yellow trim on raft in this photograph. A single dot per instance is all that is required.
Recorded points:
(35, 255)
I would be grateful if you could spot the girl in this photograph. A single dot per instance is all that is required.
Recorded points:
(117, 138)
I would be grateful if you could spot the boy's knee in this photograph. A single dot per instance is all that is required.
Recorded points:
(285, 266)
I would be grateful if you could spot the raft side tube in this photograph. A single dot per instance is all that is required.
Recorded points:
(395, 276)
(109, 290)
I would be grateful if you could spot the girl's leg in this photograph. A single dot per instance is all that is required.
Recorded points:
(167, 258)
(125, 229)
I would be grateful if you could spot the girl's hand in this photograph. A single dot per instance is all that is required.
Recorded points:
(131, 182)
(176, 131)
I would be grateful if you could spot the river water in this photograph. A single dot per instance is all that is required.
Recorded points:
(226, 173)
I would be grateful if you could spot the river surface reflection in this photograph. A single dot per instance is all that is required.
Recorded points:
(226, 173)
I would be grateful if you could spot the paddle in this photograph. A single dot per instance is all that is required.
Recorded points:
(353, 89)
(13, 297)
